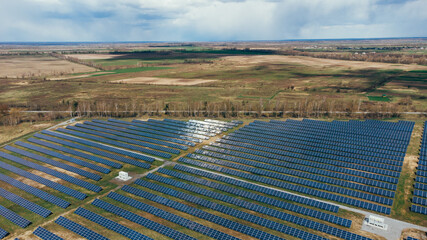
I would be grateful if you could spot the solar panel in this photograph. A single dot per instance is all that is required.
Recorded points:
(49, 183)
(141, 220)
(34, 191)
(171, 217)
(256, 208)
(65, 157)
(201, 214)
(79, 229)
(230, 211)
(107, 223)
(13, 217)
(96, 151)
(45, 234)
(50, 161)
(260, 198)
(52, 172)
(3, 233)
(25, 203)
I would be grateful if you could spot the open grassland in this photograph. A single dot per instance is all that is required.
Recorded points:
(243, 78)
(36, 66)
(10, 133)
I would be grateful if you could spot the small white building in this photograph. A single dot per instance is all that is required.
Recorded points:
(124, 176)
(376, 221)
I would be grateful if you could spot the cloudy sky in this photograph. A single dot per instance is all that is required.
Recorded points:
(209, 20)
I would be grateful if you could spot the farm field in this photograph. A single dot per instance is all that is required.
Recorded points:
(242, 78)
(37, 66)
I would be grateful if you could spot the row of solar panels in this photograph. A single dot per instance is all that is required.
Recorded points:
(299, 181)
(250, 154)
(245, 204)
(147, 128)
(313, 151)
(258, 168)
(352, 139)
(420, 191)
(120, 137)
(229, 211)
(309, 138)
(74, 145)
(365, 126)
(373, 167)
(256, 197)
(358, 129)
(291, 187)
(142, 132)
(373, 142)
(22, 222)
(306, 141)
(399, 126)
(329, 128)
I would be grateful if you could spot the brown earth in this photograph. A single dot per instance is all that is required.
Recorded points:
(318, 62)
(19, 66)
(163, 81)
(94, 56)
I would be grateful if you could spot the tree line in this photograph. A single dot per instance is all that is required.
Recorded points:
(305, 108)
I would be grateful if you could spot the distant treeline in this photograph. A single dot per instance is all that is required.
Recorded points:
(310, 107)
(402, 58)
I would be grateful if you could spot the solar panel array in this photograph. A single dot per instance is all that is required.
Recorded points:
(155, 135)
(242, 211)
(107, 223)
(87, 145)
(170, 217)
(79, 229)
(101, 146)
(52, 172)
(260, 209)
(236, 226)
(45, 234)
(356, 163)
(3, 233)
(36, 178)
(13, 217)
(419, 200)
(34, 191)
(24, 203)
(141, 220)
(64, 166)
(411, 238)
(256, 197)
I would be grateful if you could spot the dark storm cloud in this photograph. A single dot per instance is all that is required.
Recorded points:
(202, 20)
